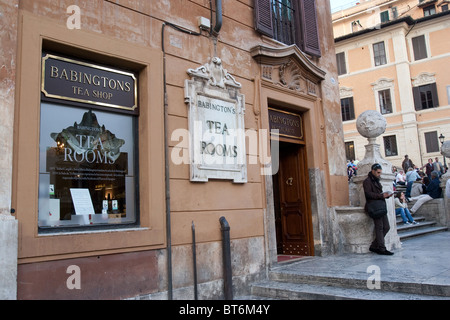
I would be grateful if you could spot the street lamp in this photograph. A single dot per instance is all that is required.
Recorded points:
(442, 139)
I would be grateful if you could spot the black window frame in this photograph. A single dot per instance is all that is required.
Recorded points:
(419, 47)
(390, 146)
(425, 97)
(432, 141)
(350, 150)
(341, 63)
(347, 109)
(429, 10)
(385, 101)
(379, 54)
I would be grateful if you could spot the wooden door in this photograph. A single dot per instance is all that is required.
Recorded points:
(294, 231)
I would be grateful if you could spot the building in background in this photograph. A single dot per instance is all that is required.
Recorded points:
(394, 57)
(100, 184)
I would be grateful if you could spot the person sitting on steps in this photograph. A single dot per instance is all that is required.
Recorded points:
(434, 191)
(401, 208)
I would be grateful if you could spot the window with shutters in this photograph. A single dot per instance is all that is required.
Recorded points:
(390, 146)
(379, 53)
(425, 97)
(290, 22)
(347, 109)
(384, 16)
(341, 65)
(431, 141)
(419, 48)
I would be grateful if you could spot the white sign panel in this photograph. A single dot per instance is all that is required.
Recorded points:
(216, 125)
(82, 201)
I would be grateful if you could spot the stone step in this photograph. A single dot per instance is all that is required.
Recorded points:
(418, 219)
(359, 281)
(270, 289)
(420, 225)
(420, 232)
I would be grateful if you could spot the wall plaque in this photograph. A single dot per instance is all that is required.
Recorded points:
(216, 124)
(72, 80)
(289, 124)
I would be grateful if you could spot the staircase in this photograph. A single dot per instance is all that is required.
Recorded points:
(289, 285)
(423, 227)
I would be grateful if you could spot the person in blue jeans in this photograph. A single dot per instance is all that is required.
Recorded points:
(401, 208)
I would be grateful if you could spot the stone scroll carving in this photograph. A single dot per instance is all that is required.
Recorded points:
(216, 75)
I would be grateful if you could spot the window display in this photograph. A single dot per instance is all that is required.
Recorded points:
(87, 167)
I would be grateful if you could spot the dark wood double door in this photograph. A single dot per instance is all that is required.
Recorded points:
(293, 218)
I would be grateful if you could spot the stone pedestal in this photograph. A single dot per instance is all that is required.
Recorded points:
(8, 257)
(371, 124)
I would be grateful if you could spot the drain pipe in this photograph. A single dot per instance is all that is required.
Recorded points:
(226, 252)
(167, 175)
(215, 31)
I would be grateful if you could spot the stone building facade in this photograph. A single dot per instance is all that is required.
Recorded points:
(392, 57)
(103, 175)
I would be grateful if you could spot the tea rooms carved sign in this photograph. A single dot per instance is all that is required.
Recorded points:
(216, 124)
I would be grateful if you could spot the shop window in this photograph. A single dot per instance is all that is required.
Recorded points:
(290, 22)
(379, 54)
(347, 109)
(390, 146)
(88, 147)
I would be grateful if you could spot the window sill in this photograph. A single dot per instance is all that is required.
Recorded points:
(65, 233)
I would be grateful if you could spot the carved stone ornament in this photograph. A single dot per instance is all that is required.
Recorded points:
(423, 79)
(216, 124)
(291, 77)
(216, 75)
(288, 68)
(382, 84)
(345, 92)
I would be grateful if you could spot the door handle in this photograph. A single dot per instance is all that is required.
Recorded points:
(290, 181)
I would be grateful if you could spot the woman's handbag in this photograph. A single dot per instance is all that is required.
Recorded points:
(377, 209)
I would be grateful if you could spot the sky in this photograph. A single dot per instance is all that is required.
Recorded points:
(339, 3)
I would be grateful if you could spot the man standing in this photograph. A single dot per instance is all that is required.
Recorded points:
(438, 167)
(429, 167)
(373, 190)
(407, 163)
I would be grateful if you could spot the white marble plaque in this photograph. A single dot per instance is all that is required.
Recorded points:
(216, 124)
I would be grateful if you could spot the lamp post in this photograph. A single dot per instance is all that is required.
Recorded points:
(442, 139)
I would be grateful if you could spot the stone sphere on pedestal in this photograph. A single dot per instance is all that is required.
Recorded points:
(445, 150)
(371, 124)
